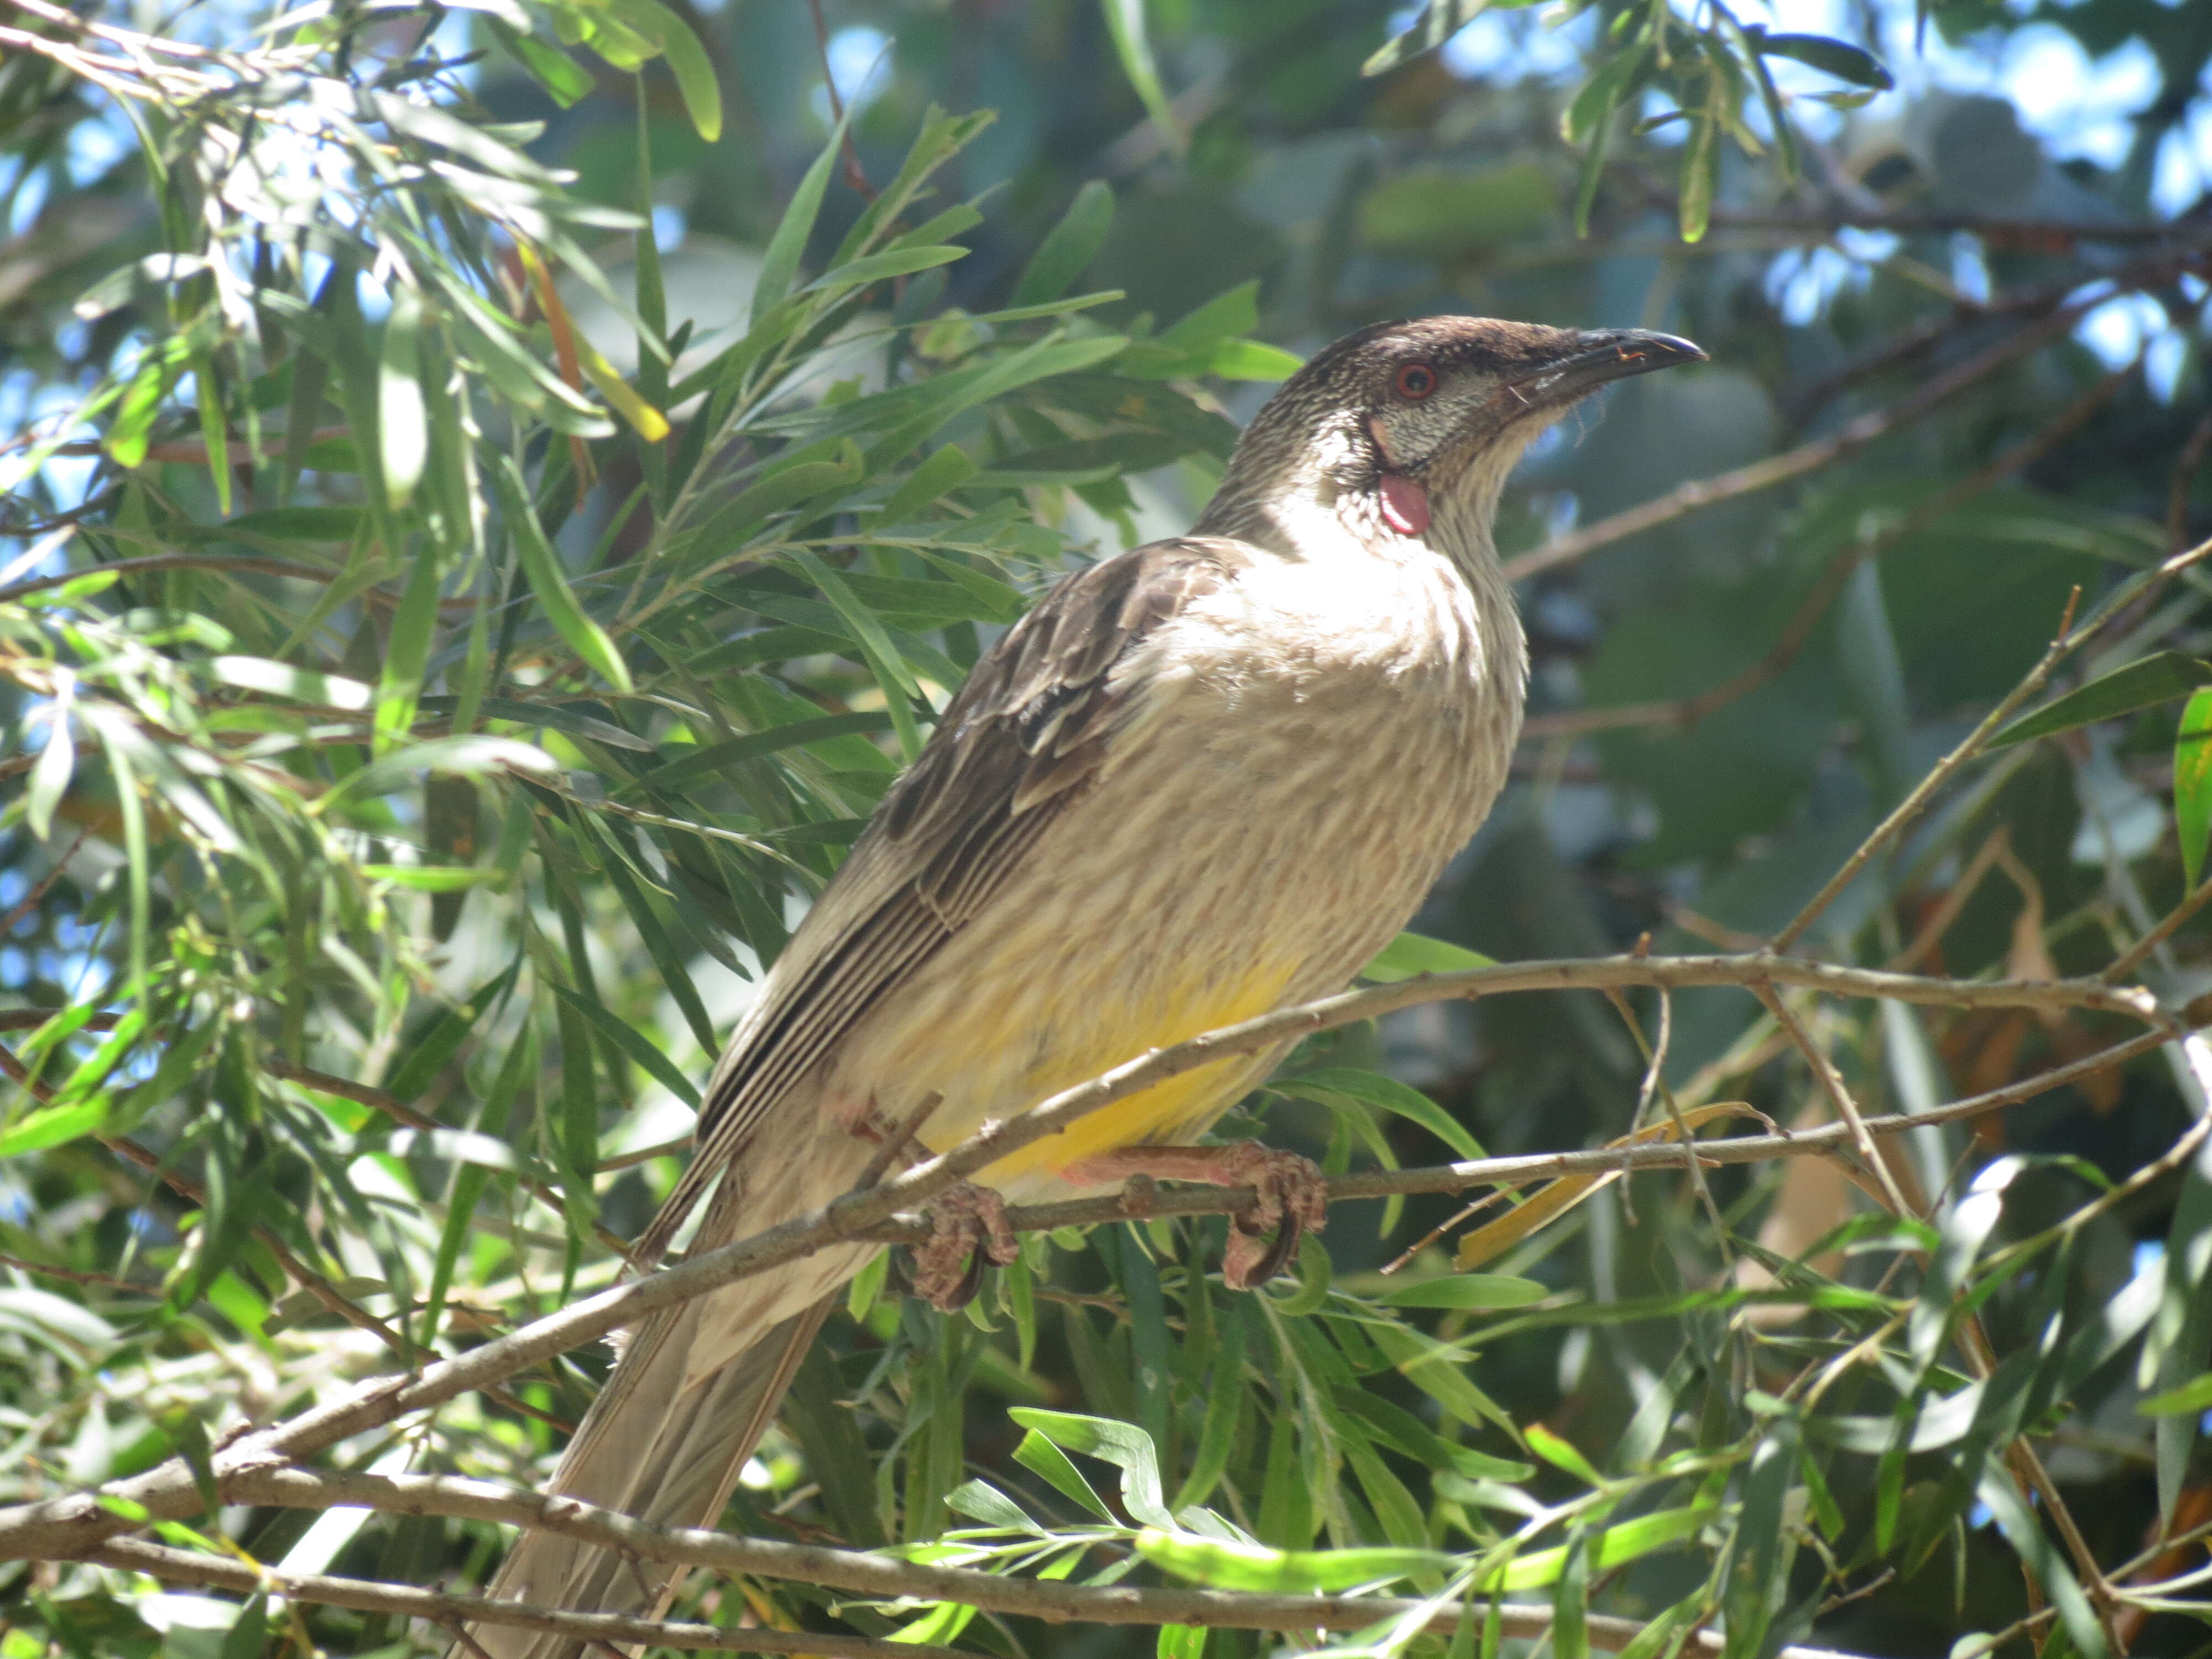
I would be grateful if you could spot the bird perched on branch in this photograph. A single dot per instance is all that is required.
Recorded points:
(1200, 780)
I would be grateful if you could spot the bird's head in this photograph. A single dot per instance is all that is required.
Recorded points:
(1407, 430)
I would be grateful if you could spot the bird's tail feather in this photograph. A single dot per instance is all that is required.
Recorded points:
(665, 1441)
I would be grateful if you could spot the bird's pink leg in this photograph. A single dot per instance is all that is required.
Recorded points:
(1294, 1196)
(969, 1224)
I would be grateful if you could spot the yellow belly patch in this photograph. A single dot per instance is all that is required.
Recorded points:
(1176, 1103)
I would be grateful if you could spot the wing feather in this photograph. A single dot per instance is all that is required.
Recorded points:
(1025, 736)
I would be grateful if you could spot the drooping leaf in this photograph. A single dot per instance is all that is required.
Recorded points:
(2163, 676)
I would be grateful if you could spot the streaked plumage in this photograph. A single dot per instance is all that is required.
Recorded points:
(1201, 779)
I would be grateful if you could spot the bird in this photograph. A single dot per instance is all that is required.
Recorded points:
(1200, 780)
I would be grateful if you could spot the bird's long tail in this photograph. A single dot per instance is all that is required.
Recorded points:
(665, 1441)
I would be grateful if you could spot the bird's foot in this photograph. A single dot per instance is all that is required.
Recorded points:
(1292, 1197)
(969, 1226)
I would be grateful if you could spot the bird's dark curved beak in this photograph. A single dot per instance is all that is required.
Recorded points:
(1604, 356)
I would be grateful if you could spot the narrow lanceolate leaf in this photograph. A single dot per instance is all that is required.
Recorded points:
(687, 60)
(550, 582)
(1832, 56)
(780, 264)
(1701, 170)
(1556, 1198)
(884, 660)
(648, 423)
(1613, 1547)
(50, 778)
(1439, 21)
(1068, 246)
(1410, 955)
(403, 422)
(1125, 21)
(1255, 1567)
(408, 653)
(2163, 678)
(2192, 784)
(635, 1043)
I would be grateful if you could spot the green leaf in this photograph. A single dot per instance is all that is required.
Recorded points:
(2195, 1395)
(1255, 1567)
(1830, 57)
(710, 758)
(1701, 172)
(944, 471)
(1125, 21)
(413, 627)
(403, 422)
(1560, 1454)
(566, 82)
(550, 582)
(1042, 1457)
(2161, 677)
(552, 715)
(294, 524)
(1123, 1444)
(1374, 1088)
(2192, 784)
(779, 264)
(1570, 1600)
(1439, 21)
(56, 761)
(188, 1437)
(1068, 246)
(1470, 1291)
(900, 688)
(1613, 1547)
(635, 1043)
(875, 267)
(1411, 955)
(52, 1126)
(687, 59)
(280, 679)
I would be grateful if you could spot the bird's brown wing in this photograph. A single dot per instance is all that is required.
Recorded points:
(1011, 751)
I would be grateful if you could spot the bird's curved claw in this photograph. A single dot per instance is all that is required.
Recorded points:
(1293, 1201)
(969, 1226)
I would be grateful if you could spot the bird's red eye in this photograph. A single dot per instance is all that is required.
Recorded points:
(1416, 381)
